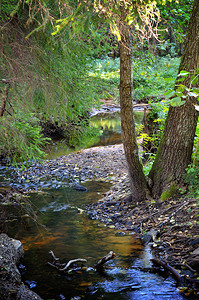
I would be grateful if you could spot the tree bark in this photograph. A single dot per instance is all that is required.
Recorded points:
(176, 146)
(137, 178)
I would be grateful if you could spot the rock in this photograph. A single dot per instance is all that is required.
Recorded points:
(149, 236)
(79, 187)
(193, 260)
(194, 242)
(11, 251)
(25, 293)
(11, 287)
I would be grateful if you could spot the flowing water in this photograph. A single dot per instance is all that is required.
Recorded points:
(70, 234)
(68, 231)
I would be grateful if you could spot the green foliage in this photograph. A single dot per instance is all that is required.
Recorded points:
(196, 147)
(175, 17)
(148, 164)
(48, 78)
(83, 137)
(6, 9)
(182, 91)
(150, 72)
(21, 137)
(192, 179)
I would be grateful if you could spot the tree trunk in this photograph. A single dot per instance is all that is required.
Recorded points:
(176, 146)
(137, 178)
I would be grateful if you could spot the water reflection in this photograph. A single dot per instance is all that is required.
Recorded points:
(109, 125)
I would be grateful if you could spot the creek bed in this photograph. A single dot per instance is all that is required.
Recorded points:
(63, 227)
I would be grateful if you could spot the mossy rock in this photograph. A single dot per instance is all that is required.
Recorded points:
(169, 193)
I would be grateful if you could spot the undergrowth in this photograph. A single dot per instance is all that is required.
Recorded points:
(152, 75)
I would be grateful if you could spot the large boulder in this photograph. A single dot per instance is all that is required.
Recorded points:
(11, 287)
(11, 251)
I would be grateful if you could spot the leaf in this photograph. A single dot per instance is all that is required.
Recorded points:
(169, 94)
(183, 73)
(115, 30)
(168, 79)
(194, 80)
(176, 101)
(180, 79)
(191, 94)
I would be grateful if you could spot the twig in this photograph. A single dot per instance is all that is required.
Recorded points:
(174, 213)
(71, 262)
(53, 255)
(188, 267)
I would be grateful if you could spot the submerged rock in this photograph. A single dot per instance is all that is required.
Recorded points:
(81, 188)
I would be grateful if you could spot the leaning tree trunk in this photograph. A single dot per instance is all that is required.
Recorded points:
(136, 175)
(176, 146)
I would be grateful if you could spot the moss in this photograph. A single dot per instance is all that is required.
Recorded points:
(169, 193)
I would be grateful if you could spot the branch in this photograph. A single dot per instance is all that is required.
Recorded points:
(68, 266)
(167, 267)
(71, 262)
(106, 258)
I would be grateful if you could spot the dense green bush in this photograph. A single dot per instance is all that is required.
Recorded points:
(21, 137)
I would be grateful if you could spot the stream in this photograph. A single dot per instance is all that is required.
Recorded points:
(63, 227)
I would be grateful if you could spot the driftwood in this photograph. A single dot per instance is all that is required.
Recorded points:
(72, 262)
(69, 266)
(102, 261)
(64, 267)
(180, 278)
(166, 266)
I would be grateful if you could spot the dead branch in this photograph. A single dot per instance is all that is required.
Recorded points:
(71, 263)
(106, 258)
(166, 266)
(68, 266)
(174, 213)
(188, 267)
(177, 276)
(53, 255)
